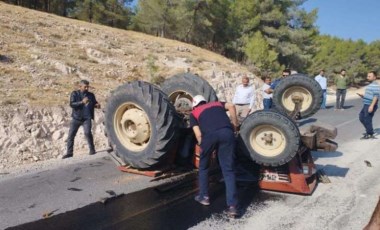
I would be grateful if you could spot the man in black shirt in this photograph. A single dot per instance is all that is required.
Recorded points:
(83, 103)
(213, 130)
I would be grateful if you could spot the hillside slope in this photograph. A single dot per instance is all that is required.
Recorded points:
(43, 56)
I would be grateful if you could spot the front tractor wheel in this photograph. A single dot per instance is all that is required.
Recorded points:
(141, 124)
(298, 89)
(269, 138)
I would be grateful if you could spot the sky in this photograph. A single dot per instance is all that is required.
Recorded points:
(348, 19)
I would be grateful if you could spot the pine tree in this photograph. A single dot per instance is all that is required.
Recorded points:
(258, 52)
(288, 30)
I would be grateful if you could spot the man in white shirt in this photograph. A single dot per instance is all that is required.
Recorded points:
(244, 98)
(321, 79)
(267, 94)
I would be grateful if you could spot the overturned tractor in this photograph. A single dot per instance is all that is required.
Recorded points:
(147, 127)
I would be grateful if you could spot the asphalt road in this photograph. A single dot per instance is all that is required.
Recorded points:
(30, 196)
(346, 203)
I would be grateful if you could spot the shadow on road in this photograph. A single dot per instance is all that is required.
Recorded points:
(333, 170)
(321, 154)
(306, 121)
(168, 206)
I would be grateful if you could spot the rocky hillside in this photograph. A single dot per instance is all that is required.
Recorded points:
(43, 56)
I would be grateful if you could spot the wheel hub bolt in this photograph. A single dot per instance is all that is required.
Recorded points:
(268, 139)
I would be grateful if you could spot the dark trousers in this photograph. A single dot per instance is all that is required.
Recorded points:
(74, 126)
(224, 141)
(340, 97)
(267, 102)
(366, 118)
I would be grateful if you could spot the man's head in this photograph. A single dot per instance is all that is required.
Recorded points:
(322, 72)
(198, 100)
(371, 76)
(267, 80)
(245, 80)
(286, 72)
(343, 72)
(84, 85)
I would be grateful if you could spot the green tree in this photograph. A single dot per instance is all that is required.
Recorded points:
(335, 54)
(201, 22)
(107, 12)
(155, 17)
(372, 58)
(258, 52)
(288, 30)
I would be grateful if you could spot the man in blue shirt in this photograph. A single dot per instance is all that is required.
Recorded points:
(370, 101)
(213, 130)
(83, 103)
(285, 73)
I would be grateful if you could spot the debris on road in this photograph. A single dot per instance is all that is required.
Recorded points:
(49, 214)
(368, 163)
(322, 177)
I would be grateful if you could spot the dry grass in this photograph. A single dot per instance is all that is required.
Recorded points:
(43, 56)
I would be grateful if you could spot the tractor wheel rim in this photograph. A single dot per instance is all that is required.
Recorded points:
(267, 140)
(182, 101)
(297, 92)
(132, 126)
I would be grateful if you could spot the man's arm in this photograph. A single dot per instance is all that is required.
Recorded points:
(272, 86)
(232, 110)
(267, 90)
(373, 103)
(74, 103)
(198, 134)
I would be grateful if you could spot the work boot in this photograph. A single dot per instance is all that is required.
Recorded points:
(232, 211)
(92, 153)
(202, 200)
(67, 156)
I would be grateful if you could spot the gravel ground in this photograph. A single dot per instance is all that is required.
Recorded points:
(346, 203)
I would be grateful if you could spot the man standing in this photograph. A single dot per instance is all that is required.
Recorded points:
(370, 101)
(267, 95)
(285, 73)
(341, 83)
(83, 103)
(213, 129)
(244, 98)
(321, 79)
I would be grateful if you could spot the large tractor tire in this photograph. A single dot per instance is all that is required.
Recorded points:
(298, 87)
(269, 138)
(141, 124)
(181, 89)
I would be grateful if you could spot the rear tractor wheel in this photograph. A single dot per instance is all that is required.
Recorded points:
(181, 89)
(141, 124)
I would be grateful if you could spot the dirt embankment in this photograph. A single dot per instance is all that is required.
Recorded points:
(43, 56)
